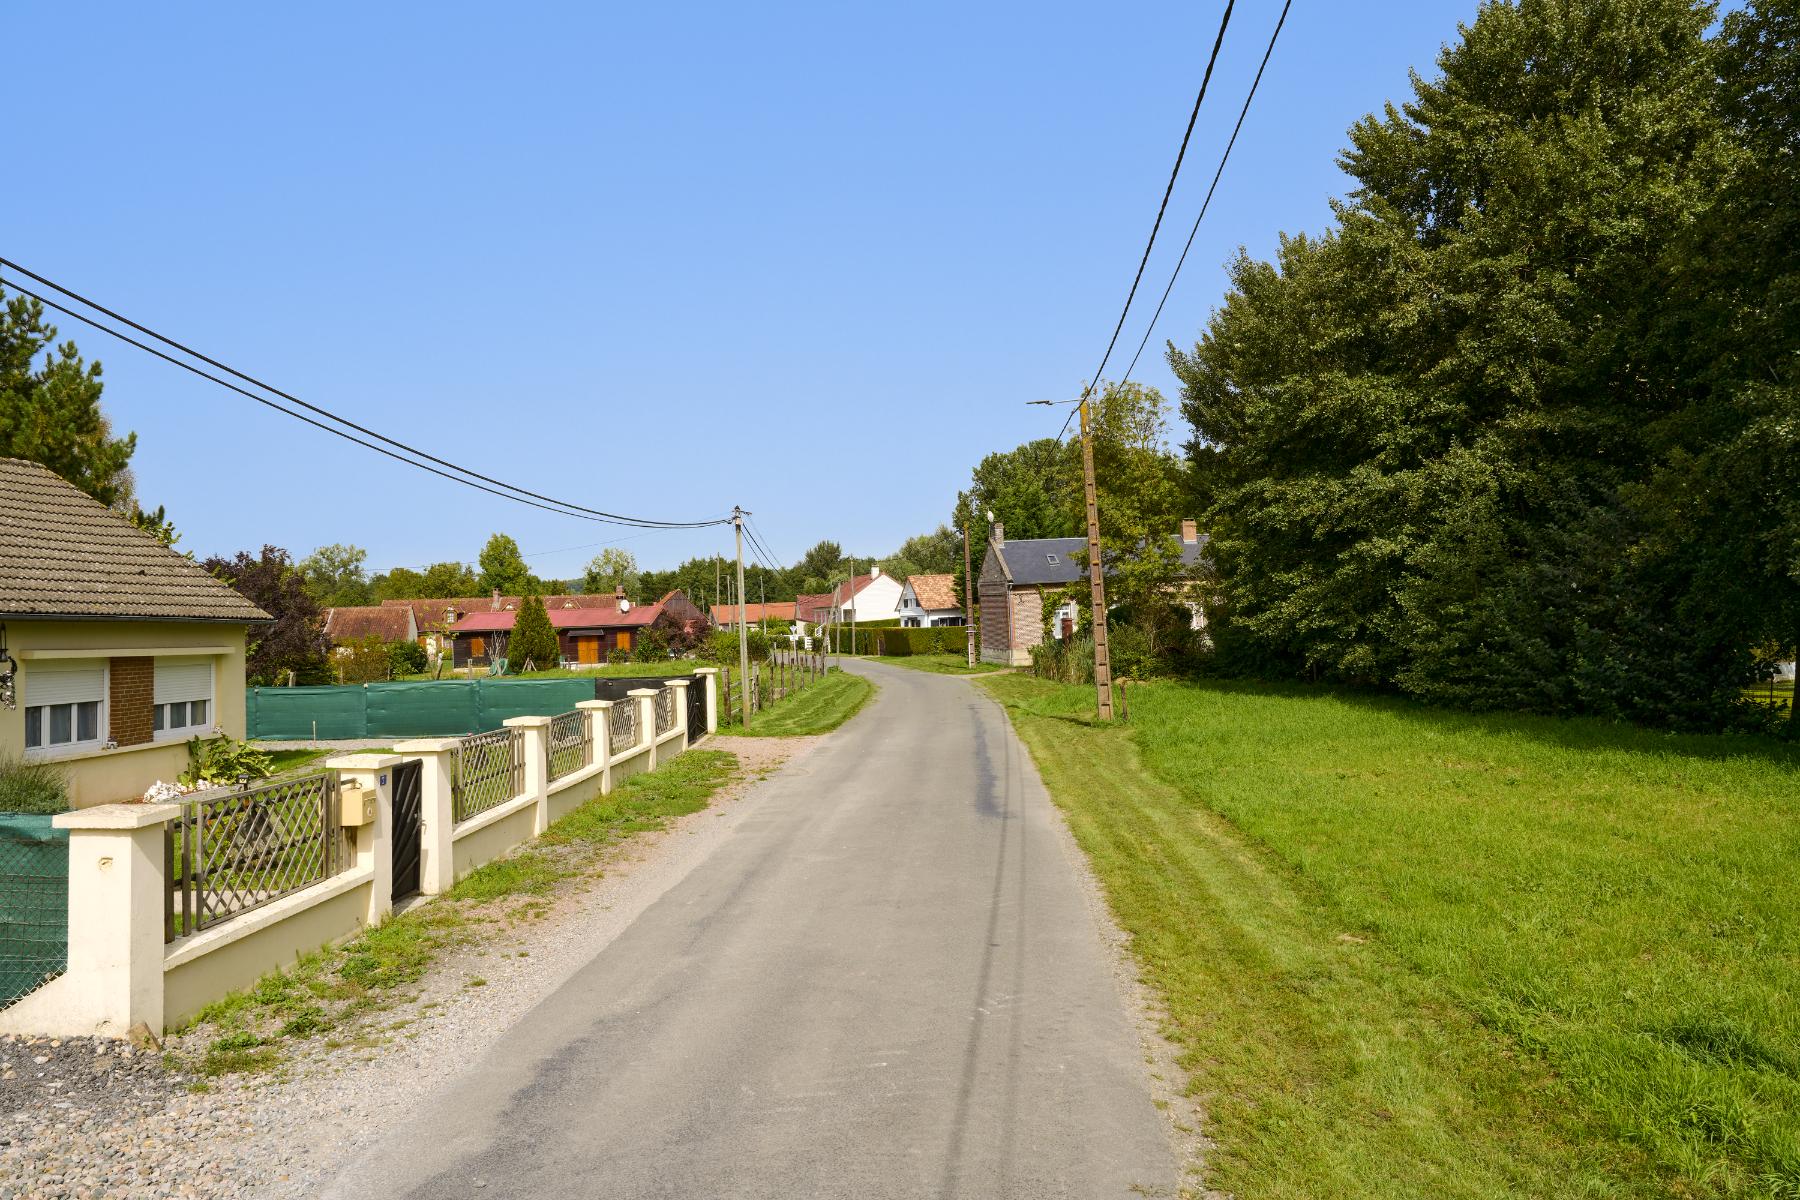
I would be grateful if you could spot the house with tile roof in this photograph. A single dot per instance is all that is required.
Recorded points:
(353, 623)
(116, 650)
(866, 598)
(927, 600)
(585, 636)
(776, 616)
(1018, 577)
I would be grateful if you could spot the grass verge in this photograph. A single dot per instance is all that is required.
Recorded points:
(337, 993)
(936, 664)
(1410, 953)
(818, 708)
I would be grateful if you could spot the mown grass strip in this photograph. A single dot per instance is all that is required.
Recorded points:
(936, 664)
(1412, 954)
(334, 991)
(818, 708)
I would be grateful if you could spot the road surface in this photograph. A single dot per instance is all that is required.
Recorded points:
(885, 982)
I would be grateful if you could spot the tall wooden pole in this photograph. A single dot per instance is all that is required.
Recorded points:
(737, 523)
(1102, 654)
(968, 595)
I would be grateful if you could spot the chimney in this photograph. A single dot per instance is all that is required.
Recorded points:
(999, 534)
(619, 592)
(874, 572)
(1190, 531)
(495, 601)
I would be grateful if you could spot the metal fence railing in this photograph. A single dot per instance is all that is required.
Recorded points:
(490, 770)
(623, 734)
(665, 710)
(571, 745)
(230, 852)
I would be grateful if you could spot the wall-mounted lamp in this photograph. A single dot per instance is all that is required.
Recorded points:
(9, 673)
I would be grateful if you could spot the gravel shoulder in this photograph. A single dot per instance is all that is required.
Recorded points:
(83, 1119)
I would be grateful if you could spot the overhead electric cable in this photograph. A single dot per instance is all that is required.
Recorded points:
(609, 517)
(1187, 134)
(1207, 203)
(763, 540)
(350, 437)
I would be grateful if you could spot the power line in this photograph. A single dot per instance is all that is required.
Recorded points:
(349, 437)
(758, 537)
(607, 517)
(1207, 203)
(1160, 209)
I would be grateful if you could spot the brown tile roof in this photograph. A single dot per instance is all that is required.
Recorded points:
(389, 622)
(437, 614)
(933, 591)
(63, 553)
(774, 610)
(814, 608)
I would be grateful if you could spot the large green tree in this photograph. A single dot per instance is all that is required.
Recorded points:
(533, 642)
(1430, 441)
(1021, 489)
(336, 575)
(502, 566)
(610, 570)
(50, 408)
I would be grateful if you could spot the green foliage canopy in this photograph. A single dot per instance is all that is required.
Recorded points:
(50, 411)
(533, 638)
(1488, 439)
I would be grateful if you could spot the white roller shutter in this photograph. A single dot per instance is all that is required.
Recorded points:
(47, 684)
(179, 679)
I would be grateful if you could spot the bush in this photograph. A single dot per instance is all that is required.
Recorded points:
(406, 658)
(31, 788)
(651, 645)
(222, 760)
(722, 647)
(616, 656)
(364, 660)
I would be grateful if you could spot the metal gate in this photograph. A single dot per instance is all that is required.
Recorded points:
(408, 827)
(696, 706)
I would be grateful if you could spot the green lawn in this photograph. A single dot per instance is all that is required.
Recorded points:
(1410, 953)
(818, 708)
(937, 664)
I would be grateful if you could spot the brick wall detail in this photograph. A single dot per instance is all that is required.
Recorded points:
(129, 699)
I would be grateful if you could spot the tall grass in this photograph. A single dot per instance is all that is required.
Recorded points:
(35, 788)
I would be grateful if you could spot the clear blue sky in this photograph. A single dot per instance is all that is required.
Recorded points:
(812, 259)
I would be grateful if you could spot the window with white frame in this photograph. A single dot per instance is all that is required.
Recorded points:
(64, 706)
(183, 697)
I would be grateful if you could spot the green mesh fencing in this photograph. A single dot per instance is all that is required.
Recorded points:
(34, 904)
(439, 708)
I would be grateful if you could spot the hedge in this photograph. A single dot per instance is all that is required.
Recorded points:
(942, 639)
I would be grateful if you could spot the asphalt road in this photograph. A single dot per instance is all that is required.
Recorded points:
(885, 982)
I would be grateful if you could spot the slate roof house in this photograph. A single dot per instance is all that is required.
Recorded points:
(118, 648)
(1016, 577)
(928, 600)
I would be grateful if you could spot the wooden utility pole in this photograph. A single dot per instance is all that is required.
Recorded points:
(737, 523)
(968, 594)
(1102, 653)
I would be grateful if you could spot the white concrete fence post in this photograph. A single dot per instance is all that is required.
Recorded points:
(710, 677)
(437, 858)
(373, 773)
(599, 716)
(535, 747)
(680, 687)
(645, 698)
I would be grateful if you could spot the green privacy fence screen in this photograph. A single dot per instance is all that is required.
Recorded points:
(34, 904)
(443, 708)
